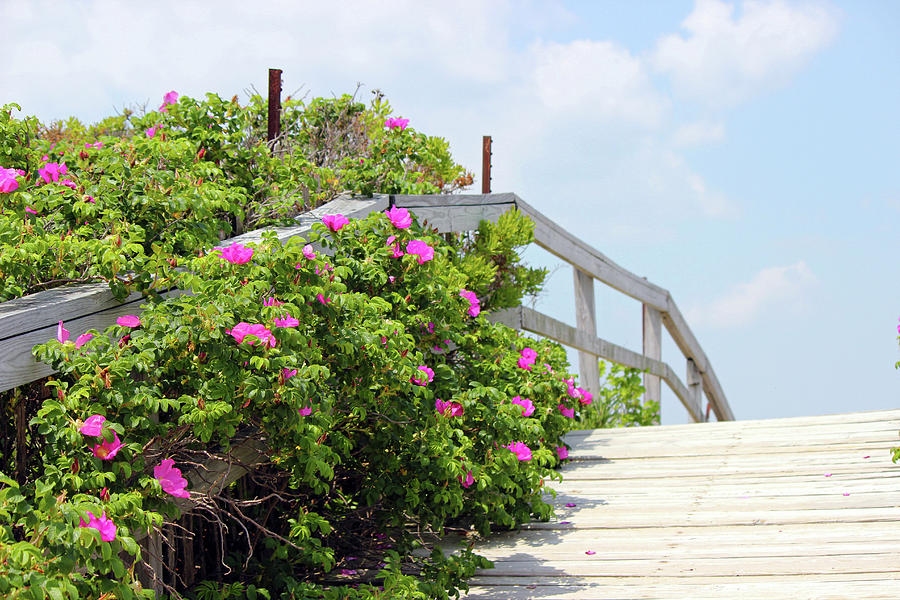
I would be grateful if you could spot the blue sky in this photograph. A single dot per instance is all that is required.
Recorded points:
(743, 155)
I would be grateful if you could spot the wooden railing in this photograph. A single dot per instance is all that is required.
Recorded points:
(463, 213)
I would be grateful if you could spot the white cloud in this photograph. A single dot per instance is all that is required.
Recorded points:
(698, 133)
(596, 79)
(722, 59)
(773, 289)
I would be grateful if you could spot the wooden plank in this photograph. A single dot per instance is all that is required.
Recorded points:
(712, 567)
(17, 363)
(750, 588)
(860, 421)
(706, 526)
(412, 201)
(459, 218)
(694, 539)
(30, 313)
(352, 208)
(586, 320)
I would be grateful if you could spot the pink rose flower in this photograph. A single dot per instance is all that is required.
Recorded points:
(105, 526)
(420, 249)
(585, 396)
(567, 412)
(128, 321)
(399, 217)
(170, 479)
(51, 171)
(396, 123)
(423, 380)
(286, 321)
(335, 222)
(526, 404)
(288, 373)
(448, 408)
(82, 339)
(236, 254)
(521, 451)
(168, 99)
(474, 304)
(151, 131)
(93, 425)
(108, 450)
(8, 182)
(562, 452)
(394, 246)
(242, 330)
(308, 252)
(469, 480)
(62, 334)
(305, 411)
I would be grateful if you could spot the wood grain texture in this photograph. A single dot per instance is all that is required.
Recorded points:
(817, 516)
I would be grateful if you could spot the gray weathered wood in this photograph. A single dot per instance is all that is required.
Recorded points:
(17, 364)
(694, 383)
(459, 218)
(414, 202)
(745, 520)
(585, 318)
(652, 334)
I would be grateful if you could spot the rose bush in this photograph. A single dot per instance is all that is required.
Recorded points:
(388, 410)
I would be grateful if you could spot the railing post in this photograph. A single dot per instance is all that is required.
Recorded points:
(586, 321)
(274, 123)
(652, 349)
(486, 164)
(694, 382)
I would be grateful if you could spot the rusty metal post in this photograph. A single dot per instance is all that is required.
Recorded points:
(486, 165)
(274, 104)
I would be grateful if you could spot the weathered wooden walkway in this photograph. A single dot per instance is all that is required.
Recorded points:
(787, 508)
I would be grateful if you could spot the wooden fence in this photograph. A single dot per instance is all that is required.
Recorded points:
(464, 212)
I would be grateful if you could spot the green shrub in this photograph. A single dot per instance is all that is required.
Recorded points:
(620, 400)
(357, 450)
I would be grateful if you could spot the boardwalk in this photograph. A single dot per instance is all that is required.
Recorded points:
(788, 508)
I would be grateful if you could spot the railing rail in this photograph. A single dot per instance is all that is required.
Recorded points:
(464, 212)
